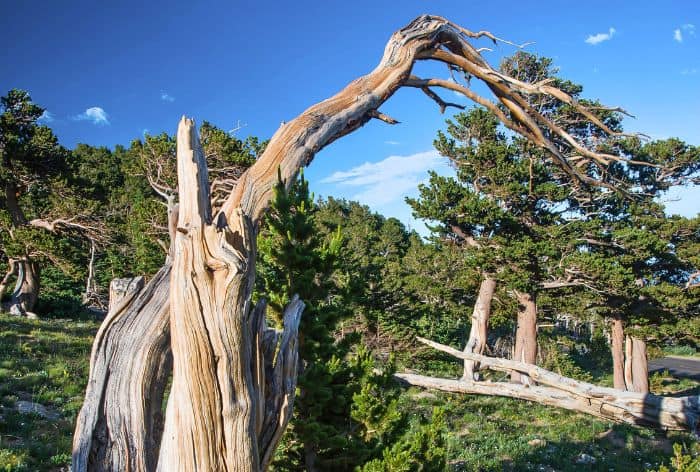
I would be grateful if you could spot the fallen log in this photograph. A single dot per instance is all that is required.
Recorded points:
(668, 413)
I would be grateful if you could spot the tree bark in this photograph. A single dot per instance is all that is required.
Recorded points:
(525, 335)
(478, 333)
(120, 424)
(216, 413)
(26, 291)
(623, 407)
(618, 354)
(9, 274)
(636, 366)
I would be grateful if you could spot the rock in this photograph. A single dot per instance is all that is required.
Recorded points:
(584, 458)
(537, 442)
(26, 408)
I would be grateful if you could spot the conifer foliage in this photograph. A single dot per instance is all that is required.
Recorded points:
(345, 412)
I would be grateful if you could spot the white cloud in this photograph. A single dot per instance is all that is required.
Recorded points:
(387, 182)
(95, 114)
(677, 35)
(687, 28)
(692, 71)
(392, 143)
(46, 117)
(600, 37)
(165, 97)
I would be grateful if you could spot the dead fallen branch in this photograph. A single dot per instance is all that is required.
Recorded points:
(634, 408)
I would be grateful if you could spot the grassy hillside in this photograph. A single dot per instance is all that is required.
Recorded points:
(46, 362)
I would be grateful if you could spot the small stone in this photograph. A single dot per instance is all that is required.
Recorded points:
(26, 408)
(537, 442)
(584, 458)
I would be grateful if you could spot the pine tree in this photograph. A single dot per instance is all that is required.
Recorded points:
(345, 412)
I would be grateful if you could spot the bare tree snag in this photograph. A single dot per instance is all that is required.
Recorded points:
(119, 426)
(130, 350)
(622, 407)
(525, 349)
(618, 354)
(217, 406)
(478, 333)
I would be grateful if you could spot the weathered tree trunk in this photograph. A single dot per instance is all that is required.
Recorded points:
(129, 351)
(216, 413)
(90, 285)
(525, 335)
(119, 426)
(478, 333)
(26, 291)
(636, 366)
(9, 275)
(609, 403)
(618, 354)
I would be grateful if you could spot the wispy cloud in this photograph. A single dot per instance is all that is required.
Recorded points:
(691, 71)
(388, 181)
(95, 114)
(677, 35)
(392, 143)
(687, 28)
(46, 117)
(165, 97)
(598, 38)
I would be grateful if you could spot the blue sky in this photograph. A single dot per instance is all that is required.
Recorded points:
(107, 71)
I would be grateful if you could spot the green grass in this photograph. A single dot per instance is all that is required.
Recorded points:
(44, 362)
(47, 362)
(494, 434)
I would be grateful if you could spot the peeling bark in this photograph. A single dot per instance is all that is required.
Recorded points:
(525, 349)
(478, 333)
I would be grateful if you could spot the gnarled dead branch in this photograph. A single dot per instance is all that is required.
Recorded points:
(563, 392)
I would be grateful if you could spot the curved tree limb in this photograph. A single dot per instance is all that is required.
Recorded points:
(293, 145)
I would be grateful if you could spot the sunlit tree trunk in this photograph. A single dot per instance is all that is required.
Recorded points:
(636, 365)
(525, 335)
(26, 291)
(618, 354)
(478, 333)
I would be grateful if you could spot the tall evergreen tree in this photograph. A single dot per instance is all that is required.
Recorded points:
(345, 412)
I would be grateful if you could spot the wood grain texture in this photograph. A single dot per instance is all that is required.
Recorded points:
(635, 408)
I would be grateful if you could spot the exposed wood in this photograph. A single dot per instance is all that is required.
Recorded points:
(636, 365)
(619, 406)
(120, 424)
(26, 291)
(618, 354)
(478, 333)
(525, 349)
(219, 404)
(680, 414)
